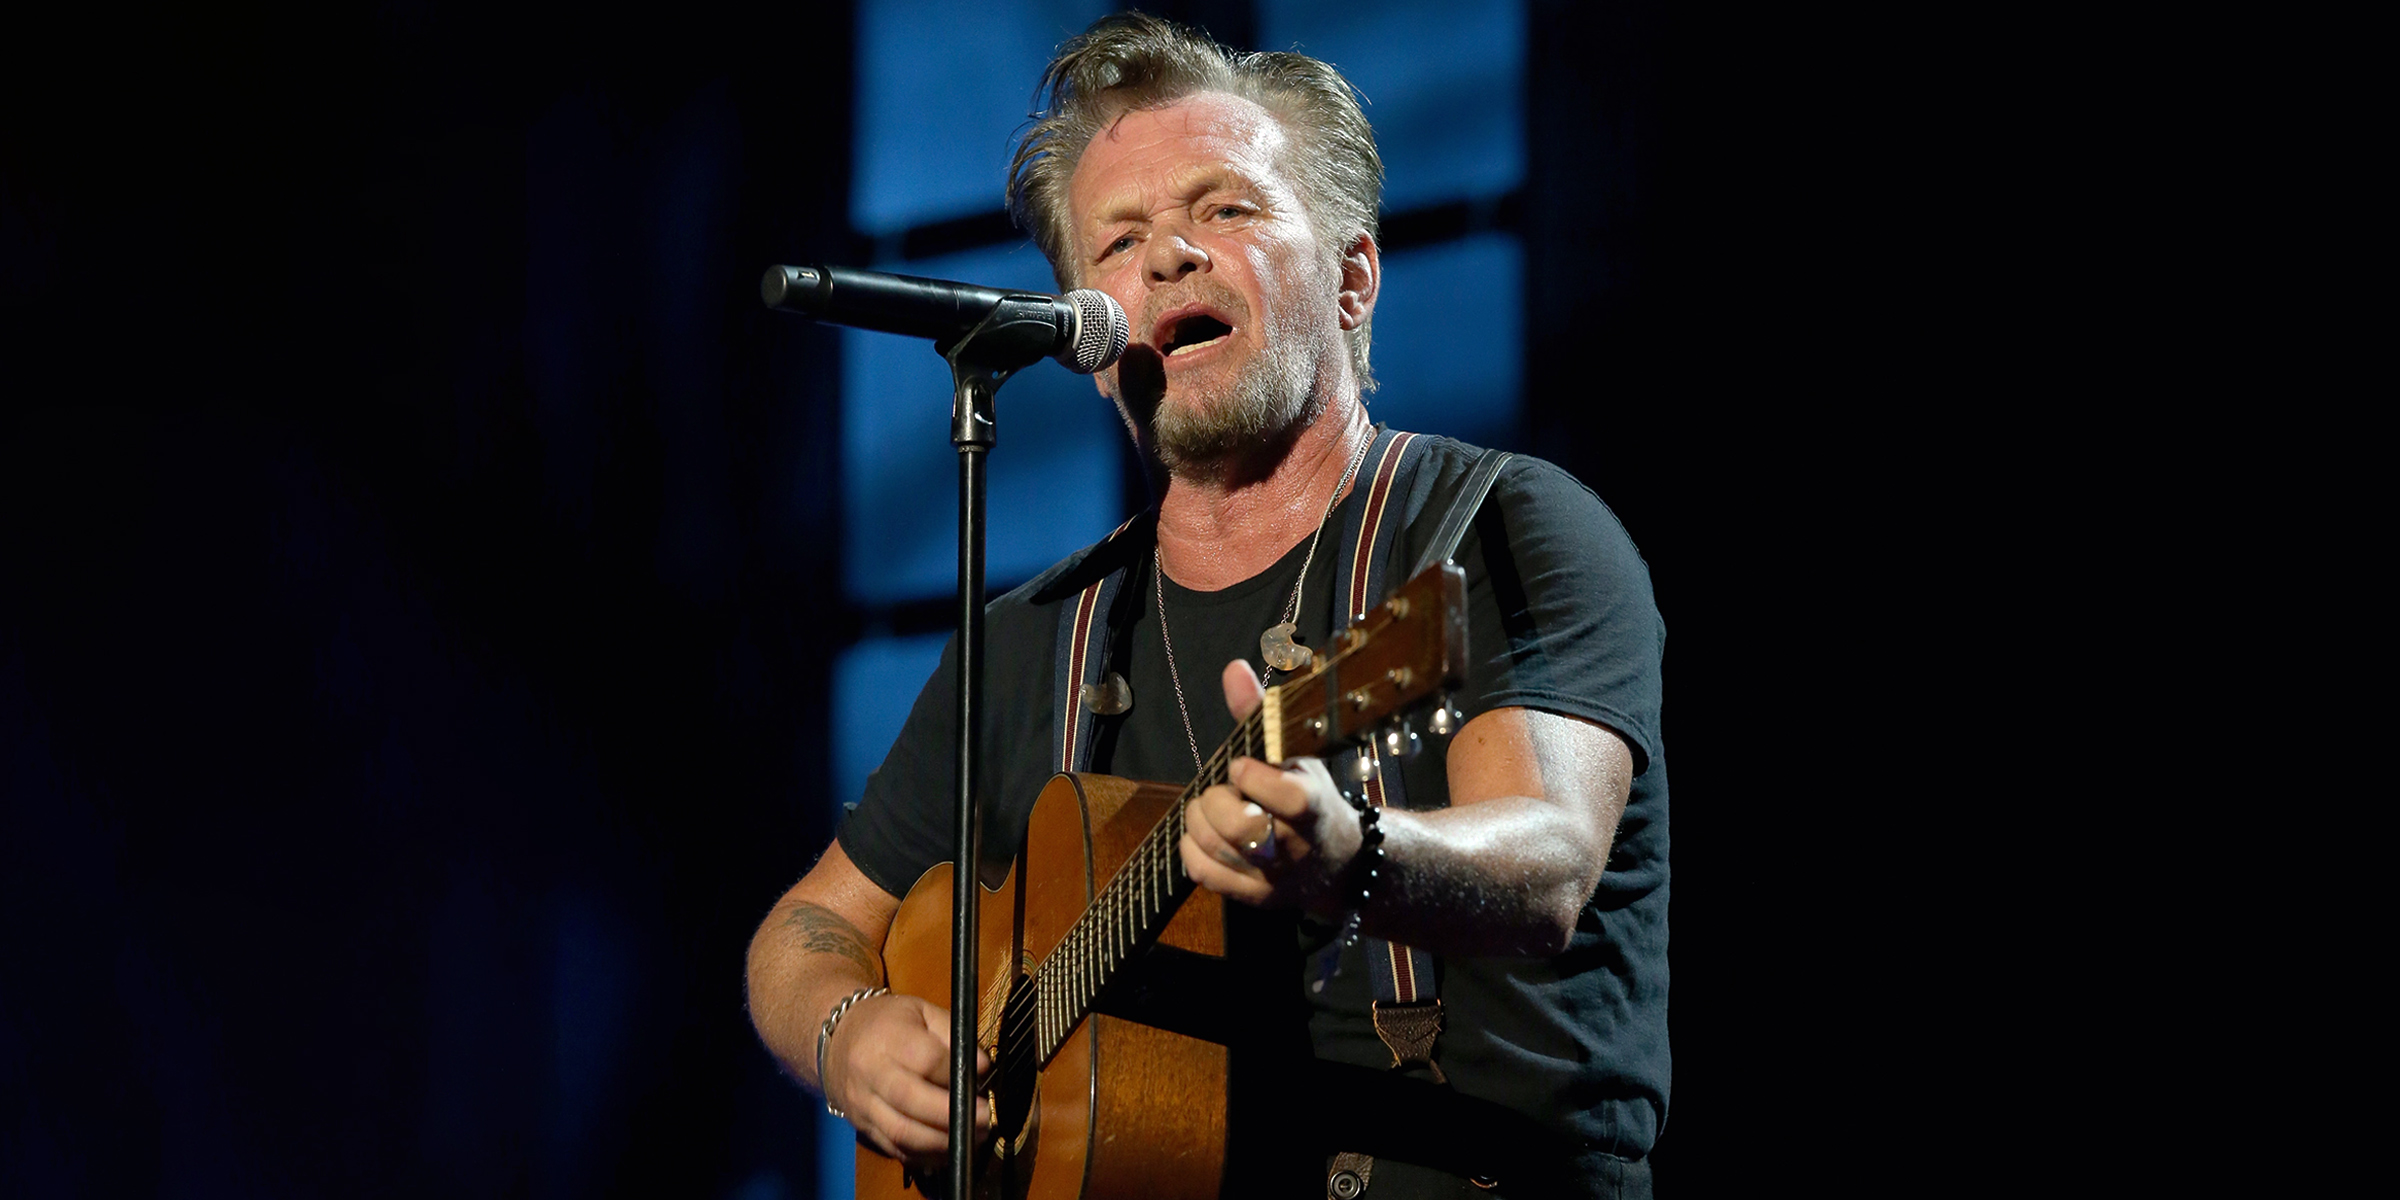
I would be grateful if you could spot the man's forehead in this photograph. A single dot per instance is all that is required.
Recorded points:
(1220, 114)
(1182, 143)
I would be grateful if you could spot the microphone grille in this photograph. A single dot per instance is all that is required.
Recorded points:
(1101, 331)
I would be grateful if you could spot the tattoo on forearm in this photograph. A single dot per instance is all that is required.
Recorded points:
(823, 931)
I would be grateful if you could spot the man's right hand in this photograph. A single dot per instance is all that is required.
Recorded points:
(887, 1068)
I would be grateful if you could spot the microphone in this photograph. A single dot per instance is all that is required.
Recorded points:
(1084, 329)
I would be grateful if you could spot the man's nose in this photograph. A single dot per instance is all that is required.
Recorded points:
(1172, 257)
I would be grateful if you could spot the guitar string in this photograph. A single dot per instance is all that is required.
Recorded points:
(1093, 959)
(1095, 962)
(1080, 940)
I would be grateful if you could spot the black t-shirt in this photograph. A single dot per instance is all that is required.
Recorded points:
(1560, 618)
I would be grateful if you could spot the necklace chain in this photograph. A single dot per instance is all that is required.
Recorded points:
(1291, 611)
(1176, 677)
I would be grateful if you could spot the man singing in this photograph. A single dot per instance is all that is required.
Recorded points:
(1519, 894)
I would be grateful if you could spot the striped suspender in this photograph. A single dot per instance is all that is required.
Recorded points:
(1083, 631)
(1408, 1008)
(1081, 634)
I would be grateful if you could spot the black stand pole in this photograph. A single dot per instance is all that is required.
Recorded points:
(973, 434)
(1000, 346)
(1020, 330)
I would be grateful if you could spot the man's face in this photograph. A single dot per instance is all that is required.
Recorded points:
(1186, 216)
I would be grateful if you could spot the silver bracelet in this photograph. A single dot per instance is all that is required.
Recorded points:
(825, 1035)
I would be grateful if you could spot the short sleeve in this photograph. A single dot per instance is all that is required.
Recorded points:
(1560, 611)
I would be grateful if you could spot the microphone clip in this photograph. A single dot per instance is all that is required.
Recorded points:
(1017, 333)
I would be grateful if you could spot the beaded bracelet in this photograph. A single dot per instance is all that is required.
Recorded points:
(1366, 866)
(825, 1035)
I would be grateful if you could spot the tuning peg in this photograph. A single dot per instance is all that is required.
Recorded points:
(1400, 741)
(1445, 719)
(1362, 765)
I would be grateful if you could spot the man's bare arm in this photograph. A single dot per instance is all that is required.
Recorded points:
(887, 1066)
(1535, 798)
(821, 942)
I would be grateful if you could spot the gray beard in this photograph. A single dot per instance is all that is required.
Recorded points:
(1276, 393)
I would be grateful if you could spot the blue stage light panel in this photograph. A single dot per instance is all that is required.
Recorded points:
(942, 86)
(837, 1158)
(1054, 480)
(1444, 83)
(874, 683)
(1448, 348)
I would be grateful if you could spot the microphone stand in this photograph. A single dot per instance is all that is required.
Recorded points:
(1013, 336)
(975, 376)
(1016, 334)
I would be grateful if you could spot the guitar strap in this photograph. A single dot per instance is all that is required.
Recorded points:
(1408, 1006)
(1087, 687)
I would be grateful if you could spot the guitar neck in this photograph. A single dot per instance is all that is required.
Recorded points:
(1130, 910)
(1407, 649)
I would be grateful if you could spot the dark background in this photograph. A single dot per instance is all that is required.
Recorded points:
(414, 636)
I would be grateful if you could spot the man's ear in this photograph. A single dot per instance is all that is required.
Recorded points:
(1362, 277)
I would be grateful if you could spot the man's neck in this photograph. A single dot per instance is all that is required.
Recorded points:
(1218, 529)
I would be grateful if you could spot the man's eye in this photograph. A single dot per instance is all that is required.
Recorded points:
(1118, 246)
(1228, 212)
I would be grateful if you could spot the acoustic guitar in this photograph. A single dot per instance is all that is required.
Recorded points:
(1094, 1106)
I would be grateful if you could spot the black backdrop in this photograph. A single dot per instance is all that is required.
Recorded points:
(413, 650)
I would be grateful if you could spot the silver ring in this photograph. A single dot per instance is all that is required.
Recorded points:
(1265, 841)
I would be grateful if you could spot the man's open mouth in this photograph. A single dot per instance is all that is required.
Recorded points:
(1196, 330)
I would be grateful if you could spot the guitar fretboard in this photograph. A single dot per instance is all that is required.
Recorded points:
(1404, 651)
(1124, 918)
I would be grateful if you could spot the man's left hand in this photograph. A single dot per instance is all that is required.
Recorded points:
(1272, 836)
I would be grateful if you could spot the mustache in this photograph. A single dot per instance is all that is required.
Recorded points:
(1206, 291)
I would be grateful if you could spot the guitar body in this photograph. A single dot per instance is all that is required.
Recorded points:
(1122, 1109)
(1092, 1106)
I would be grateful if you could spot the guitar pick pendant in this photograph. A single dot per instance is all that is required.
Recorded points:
(1281, 652)
(1110, 696)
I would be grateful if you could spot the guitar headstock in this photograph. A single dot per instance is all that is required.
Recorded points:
(1412, 647)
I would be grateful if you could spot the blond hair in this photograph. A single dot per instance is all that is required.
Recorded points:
(1129, 61)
